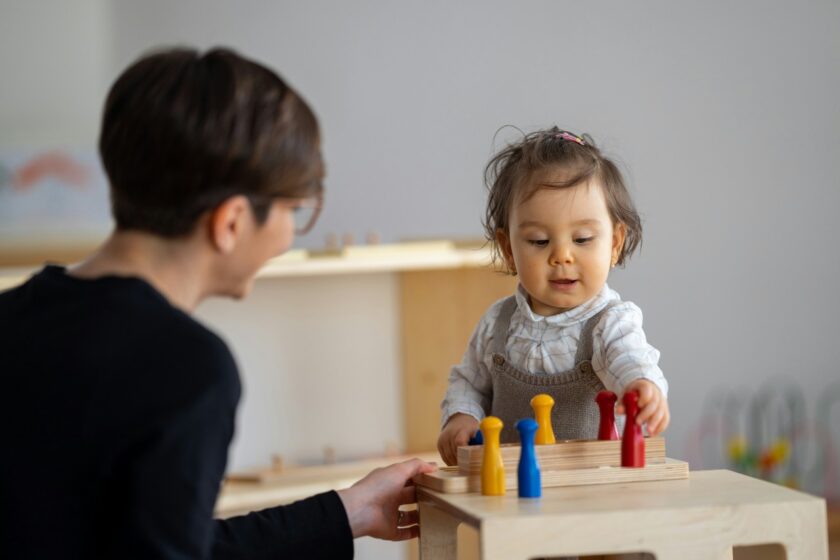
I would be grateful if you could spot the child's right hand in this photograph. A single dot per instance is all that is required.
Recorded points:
(457, 432)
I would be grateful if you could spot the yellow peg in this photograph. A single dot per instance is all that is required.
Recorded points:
(492, 468)
(542, 405)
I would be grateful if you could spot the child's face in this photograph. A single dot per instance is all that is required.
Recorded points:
(562, 243)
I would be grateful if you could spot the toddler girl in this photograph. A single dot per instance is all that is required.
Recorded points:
(559, 217)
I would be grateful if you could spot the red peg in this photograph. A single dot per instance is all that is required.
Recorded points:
(606, 402)
(633, 443)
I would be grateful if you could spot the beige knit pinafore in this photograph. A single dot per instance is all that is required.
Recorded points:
(575, 414)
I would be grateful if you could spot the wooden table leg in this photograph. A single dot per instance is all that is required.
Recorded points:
(438, 533)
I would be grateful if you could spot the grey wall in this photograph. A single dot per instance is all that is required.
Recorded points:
(724, 114)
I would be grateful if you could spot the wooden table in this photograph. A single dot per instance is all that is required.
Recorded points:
(702, 517)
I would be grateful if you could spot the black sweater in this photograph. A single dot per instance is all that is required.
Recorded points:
(116, 412)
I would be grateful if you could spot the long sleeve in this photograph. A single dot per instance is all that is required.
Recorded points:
(312, 529)
(173, 472)
(621, 352)
(470, 384)
(141, 421)
(176, 483)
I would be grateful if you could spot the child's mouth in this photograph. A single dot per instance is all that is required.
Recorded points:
(563, 283)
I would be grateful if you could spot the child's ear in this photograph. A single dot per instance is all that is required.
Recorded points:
(503, 242)
(227, 223)
(619, 235)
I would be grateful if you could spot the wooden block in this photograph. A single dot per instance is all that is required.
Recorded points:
(567, 454)
(450, 481)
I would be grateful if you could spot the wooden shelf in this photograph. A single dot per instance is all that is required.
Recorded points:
(398, 257)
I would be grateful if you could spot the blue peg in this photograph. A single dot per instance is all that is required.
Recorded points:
(477, 439)
(530, 485)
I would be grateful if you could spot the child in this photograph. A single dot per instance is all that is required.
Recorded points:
(560, 217)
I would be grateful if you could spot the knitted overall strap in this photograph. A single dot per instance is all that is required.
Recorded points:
(575, 414)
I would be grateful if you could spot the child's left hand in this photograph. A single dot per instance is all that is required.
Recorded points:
(653, 406)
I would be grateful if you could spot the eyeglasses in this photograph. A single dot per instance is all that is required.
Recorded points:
(306, 213)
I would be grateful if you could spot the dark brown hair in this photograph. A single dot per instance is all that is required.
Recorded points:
(509, 177)
(183, 131)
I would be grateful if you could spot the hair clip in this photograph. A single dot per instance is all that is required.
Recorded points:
(570, 137)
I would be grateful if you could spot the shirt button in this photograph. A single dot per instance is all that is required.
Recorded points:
(586, 367)
(498, 360)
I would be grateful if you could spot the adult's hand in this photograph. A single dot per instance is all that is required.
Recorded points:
(372, 504)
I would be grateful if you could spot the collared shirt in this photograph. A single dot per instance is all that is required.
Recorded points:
(547, 345)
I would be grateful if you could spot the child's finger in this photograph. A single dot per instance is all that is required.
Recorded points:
(441, 447)
(666, 419)
(460, 439)
(647, 411)
(655, 422)
(446, 451)
(450, 453)
(646, 393)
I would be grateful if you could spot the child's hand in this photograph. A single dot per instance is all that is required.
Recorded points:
(653, 406)
(457, 432)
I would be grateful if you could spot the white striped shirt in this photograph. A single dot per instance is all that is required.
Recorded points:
(547, 345)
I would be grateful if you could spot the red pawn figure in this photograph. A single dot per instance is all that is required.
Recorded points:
(632, 444)
(606, 402)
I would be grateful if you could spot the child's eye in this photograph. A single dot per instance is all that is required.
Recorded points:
(538, 242)
(583, 240)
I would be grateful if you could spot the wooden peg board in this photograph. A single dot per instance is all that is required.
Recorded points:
(567, 454)
(566, 463)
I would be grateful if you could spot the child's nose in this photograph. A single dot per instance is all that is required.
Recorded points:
(561, 254)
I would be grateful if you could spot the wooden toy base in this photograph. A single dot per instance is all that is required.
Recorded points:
(449, 481)
(565, 463)
(565, 454)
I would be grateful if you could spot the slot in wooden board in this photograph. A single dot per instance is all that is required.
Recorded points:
(568, 454)
(448, 480)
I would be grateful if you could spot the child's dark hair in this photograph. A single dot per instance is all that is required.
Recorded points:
(509, 175)
(183, 131)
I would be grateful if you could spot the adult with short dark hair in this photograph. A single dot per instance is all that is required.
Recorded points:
(117, 406)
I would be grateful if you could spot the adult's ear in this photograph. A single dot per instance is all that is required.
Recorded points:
(227, 223)
(503, 242)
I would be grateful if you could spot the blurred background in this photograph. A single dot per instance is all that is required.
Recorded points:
(724, 116)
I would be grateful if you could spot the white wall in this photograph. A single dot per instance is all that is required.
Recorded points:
(320, 366)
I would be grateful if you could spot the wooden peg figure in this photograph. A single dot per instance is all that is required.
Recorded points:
(542, 405)
(528, 471)
(492, 468)
(633, 443)
(606, 403)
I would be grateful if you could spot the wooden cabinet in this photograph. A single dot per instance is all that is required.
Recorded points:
(439, 310)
